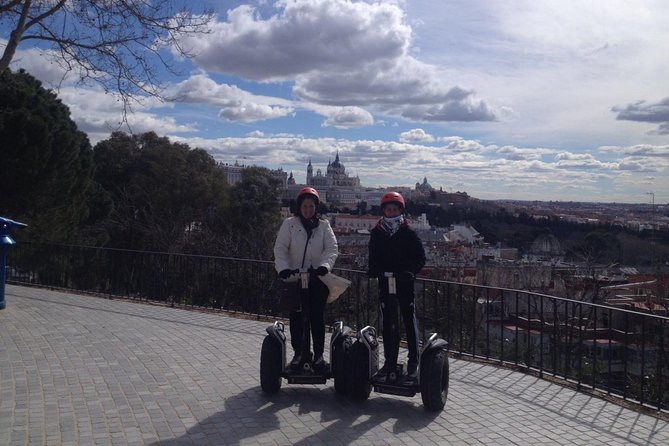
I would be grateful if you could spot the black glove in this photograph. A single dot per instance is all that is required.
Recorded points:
(372, 274)
(284, 274)
(321, 270)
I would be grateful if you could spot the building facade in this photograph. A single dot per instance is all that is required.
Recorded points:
(336, 187)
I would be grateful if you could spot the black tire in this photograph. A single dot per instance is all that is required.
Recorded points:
(341, 354)
(434, 379)
(359, 385)
(270, 365)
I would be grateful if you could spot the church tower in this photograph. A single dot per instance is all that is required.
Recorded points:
(310, 173)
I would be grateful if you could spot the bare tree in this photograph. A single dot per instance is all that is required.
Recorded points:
(119, 44)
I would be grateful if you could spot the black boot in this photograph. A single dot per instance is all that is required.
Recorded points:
(412, 371)
(295, 362)
(320, 364)
(385, 370)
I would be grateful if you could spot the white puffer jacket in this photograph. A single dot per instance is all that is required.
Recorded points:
(322, 249)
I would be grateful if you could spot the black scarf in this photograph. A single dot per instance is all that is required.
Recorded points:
(309, 224)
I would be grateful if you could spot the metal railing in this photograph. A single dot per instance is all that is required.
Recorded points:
(597, 347)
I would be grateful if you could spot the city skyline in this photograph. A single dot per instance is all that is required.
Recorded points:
(551, 100)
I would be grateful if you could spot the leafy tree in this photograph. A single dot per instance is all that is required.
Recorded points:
(253, 217)
(165, 195)
(47, 164)
(117, 44)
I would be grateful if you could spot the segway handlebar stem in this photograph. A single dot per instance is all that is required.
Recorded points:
(392, 282)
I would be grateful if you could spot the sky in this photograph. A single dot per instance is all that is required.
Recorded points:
(564, 100)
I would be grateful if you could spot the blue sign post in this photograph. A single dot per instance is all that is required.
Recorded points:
(6, 240)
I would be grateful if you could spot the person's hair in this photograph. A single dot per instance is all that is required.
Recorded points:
(298, 205)
(307, 192)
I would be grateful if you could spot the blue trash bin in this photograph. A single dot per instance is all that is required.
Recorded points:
(6, 240)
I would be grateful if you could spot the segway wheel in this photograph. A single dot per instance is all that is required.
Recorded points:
(270, 365)
(340, 359)
(434, 379)
(359, 385)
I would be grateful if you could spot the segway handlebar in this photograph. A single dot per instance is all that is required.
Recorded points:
(392, 282)
(303, 275)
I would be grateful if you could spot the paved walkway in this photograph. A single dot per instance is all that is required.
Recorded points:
(82, 370)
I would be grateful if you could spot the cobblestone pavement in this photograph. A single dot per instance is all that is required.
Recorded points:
(82, 370)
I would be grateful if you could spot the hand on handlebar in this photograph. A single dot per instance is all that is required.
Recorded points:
(284, 274)
(321, 271)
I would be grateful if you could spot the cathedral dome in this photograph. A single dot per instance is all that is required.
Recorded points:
(425, 187)
(546, 245)
(336, 162)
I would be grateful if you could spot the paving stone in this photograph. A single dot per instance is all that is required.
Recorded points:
(87, 370)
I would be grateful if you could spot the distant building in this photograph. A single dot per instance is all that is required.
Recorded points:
(354, 223)
(336, 187)
(546, 248)
(465, 234)
(424, 188)
(233, 173)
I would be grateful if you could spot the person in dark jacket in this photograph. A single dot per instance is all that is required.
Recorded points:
(395, 247)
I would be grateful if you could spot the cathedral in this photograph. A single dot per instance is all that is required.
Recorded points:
(336, 186)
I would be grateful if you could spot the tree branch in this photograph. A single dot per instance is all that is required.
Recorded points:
(117, 44)
(46, 14)
(9, 6)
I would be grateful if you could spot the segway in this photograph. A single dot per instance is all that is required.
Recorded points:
(432, 380)
(273, 366)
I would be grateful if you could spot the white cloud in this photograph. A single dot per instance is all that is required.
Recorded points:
(631, 165)
(516, 153)
(337, 52)
(341, 117)
(348, 117)
(98, 113)
(642, 111)
(467, 166)
(529, 86)
(236, 104)
(457, 144)
(252, 112)
(242, 106)
(559, 65)
(643, 150)
(302, 36)
(568, 160)
(43, 65)
(416, 135)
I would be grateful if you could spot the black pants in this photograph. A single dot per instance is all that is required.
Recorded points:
(310, 320)
(391, 305)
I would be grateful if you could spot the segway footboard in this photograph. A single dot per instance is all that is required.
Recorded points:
(396, 383)
(400, 388)
(306, 376)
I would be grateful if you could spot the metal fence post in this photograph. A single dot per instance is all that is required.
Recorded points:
(6, 241)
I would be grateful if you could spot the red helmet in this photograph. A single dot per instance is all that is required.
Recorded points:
(392, 197)
(305, 192)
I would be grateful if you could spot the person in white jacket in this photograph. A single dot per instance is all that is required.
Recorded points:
(307, 241)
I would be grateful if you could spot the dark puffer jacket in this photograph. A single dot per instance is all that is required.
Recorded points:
(403, 251)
